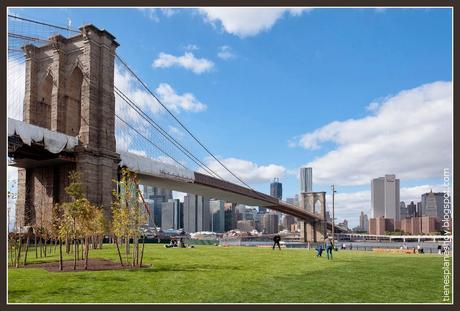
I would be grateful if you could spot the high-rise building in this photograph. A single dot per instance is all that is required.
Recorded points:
(276, 189)
(217, 210)
(411, 209)
(171, 214)
(432, 204)
(270, 223)
(385, 197)
(288, 221)
(306, 179)
(230, 216)
(363, 222)
(403, 210)
(196, 213)
(154, 197)
(245, 225)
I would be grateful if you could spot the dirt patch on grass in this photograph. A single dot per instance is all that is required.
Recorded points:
(94, 264)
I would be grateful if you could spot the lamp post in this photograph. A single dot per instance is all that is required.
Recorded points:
(333, 211)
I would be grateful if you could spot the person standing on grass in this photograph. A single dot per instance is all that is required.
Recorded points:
(329, 246)
(276, 241)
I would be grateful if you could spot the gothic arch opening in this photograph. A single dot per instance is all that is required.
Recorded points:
(317, 206)
(42, 116)
(73, 103)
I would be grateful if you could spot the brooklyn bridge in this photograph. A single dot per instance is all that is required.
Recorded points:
(73, 113)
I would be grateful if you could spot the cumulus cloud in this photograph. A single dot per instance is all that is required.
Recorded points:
(15, 87)
(176, 102)
(408, 134)
(128, 85)
(225, 52)
(155, 13)
(187, 61)
(245, 22)
(248, 171)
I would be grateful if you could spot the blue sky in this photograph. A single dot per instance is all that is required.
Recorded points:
(294, 87)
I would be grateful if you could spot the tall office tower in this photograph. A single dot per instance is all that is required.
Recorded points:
(402, 210)
(217, 210)
(155, 197)
(171, 214)
(306, 179)
(270, 223)
(432, 204)
(196, 213)
(363, 222)
(230, 216)
(385, 197)
(411, 209)
(276, 189)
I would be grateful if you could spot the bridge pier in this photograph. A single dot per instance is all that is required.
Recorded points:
(69, 88)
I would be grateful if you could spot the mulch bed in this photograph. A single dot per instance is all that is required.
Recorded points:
(94, 264)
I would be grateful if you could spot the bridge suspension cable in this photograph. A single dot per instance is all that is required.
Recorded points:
(123, 96)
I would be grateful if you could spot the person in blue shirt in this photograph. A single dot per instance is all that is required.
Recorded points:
(319, 250)
(329, 246)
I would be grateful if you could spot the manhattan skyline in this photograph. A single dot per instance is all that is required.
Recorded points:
(353, 93)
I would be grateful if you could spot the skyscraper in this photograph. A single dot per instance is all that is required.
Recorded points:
(196, 213)
(270, 223)
(217, 215)
(306, 179)
(171, 214)
(155, 197)
(385, 197)
(411, 209)
(276, 189)
(432, 204)
(363, 222)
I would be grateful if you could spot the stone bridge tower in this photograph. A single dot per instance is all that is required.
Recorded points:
(314, 230)
(69, 88)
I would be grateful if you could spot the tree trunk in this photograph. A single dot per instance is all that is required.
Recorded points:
(137, 251)
(77, 249)
(82, 248)
(67, 246)
(40, 246)
(75, 254)
(19, 252)
(61, 263)
(118, 250)
(44, 243)
(142, 253)
(36, 250)
(86, 252)
(27, 249)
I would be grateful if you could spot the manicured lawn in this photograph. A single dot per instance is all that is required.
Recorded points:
(210, 274)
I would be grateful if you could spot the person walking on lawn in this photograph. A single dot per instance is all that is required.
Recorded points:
(276, 241)
(329, 246)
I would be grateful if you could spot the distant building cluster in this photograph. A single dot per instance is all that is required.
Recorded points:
(390, 214)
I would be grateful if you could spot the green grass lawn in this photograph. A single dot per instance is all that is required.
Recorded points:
(210, 274)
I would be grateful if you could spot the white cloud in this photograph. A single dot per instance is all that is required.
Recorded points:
(15, 87)
(248, 171)
(175, 132)
(187, 61)
(155, 13)
(131, 88)
(191, 47)
(176, 102)
(409, 134)
(245, 22)
(141, 153)
(225, 52)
